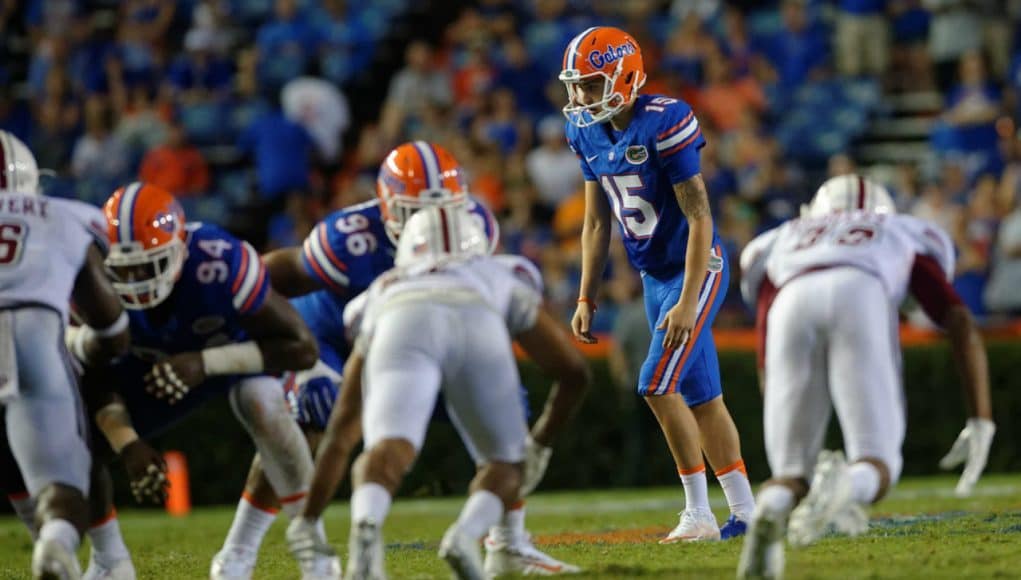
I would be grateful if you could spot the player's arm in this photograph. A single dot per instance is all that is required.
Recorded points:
(595, 248)
(288, 274)
(547, 345)
(105, 335)
(941, 303)
(343, 433)
(693, 199)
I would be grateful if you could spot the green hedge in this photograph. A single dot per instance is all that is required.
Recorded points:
(614, 441)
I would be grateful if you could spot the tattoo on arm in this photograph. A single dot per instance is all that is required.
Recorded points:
(693, 198)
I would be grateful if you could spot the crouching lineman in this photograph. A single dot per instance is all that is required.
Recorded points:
(51, 253)
(827, 288)
(443, 279)
(205, 322)
(342, 256)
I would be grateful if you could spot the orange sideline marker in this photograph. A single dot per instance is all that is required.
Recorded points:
(178, 495)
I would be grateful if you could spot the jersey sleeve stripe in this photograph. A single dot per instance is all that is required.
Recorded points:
(253, 270)
(241, 273)
(325, 243)
(318, 270)
(317, 256)
(688, 131)
(671, 130)
(680, 146)
(256, 291)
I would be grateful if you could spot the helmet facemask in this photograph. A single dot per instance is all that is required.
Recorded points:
(600, 111)
(144, 278)
(398, 208)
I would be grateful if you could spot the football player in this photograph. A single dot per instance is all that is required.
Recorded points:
(640, 158)
(50, 253)
(470, 306)
(826, 288)
(205, 322)
(342, 256)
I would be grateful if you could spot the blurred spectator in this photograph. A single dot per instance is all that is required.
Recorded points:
(502, 126)
(840, 164)
(281, 150)
(1002, 294)
(973, 234)
(6, 11)
(142, 125)
(955, 28)
(51, 139)
(968, 125)
(52, 51)
(285, 45)
(142, 33)
(53, 17)
(347, 40)
(934, 205)
(736, 43)
(418, 83)
(473, 78)
(95, 65)
(862, 38)
(99, 154)
(319, 107)
(552, 166)
(799, 50)
(176, 166)
(518, 72)
(201, 72)
(685, 51)
(725, 99)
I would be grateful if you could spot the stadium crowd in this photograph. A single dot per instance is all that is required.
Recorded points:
(239, 107)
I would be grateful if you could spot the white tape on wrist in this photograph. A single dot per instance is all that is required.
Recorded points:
(233, 359)
(116, 328)
(119, 435)
(75, 339)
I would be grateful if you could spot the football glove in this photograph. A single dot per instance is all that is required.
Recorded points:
(972, 449)
(537, 458)
(146, 470)
(314, 394)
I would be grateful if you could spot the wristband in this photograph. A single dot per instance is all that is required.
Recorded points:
(115, 328)
(243, 358)
(590, 302)
(118, 436)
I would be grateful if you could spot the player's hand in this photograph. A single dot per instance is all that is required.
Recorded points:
(679, 323)
(146, 470)
(972, 449)
(581, 324)
(172, 378)
(537, 458)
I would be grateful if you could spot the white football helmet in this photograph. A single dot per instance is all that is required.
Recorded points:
(18, 170)
(849, 193)
(440, 232)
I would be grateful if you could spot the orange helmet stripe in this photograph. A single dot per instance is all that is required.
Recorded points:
(572, 49)
(126, 211)
(430, 163)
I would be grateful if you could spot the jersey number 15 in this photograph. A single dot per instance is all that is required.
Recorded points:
(633, 211)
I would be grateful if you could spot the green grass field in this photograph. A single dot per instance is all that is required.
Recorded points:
(920, 531)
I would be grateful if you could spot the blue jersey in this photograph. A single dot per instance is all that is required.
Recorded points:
(637, 169)
(222, 279)
(346, 251)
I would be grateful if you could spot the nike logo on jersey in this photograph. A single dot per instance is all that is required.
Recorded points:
(591, 159)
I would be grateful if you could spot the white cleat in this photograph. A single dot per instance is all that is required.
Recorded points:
(233, 563)
(365, 553)
(315, 557)
(462, 555)
(52, 561)
(762, 555)
(120, 570)
(695, 525)
(508, 555)
(828, 504)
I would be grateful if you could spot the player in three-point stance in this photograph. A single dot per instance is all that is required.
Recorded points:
(51, 251)
(827, 288)
(640, 158)
(205, 322)
(342, 256)
(471, 306)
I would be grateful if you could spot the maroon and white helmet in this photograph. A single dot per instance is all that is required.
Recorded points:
(440, 232)
(18, 170)
(849, 193)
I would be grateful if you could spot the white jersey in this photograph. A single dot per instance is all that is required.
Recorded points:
(882, 245)
(509, 285)
(43, 242)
